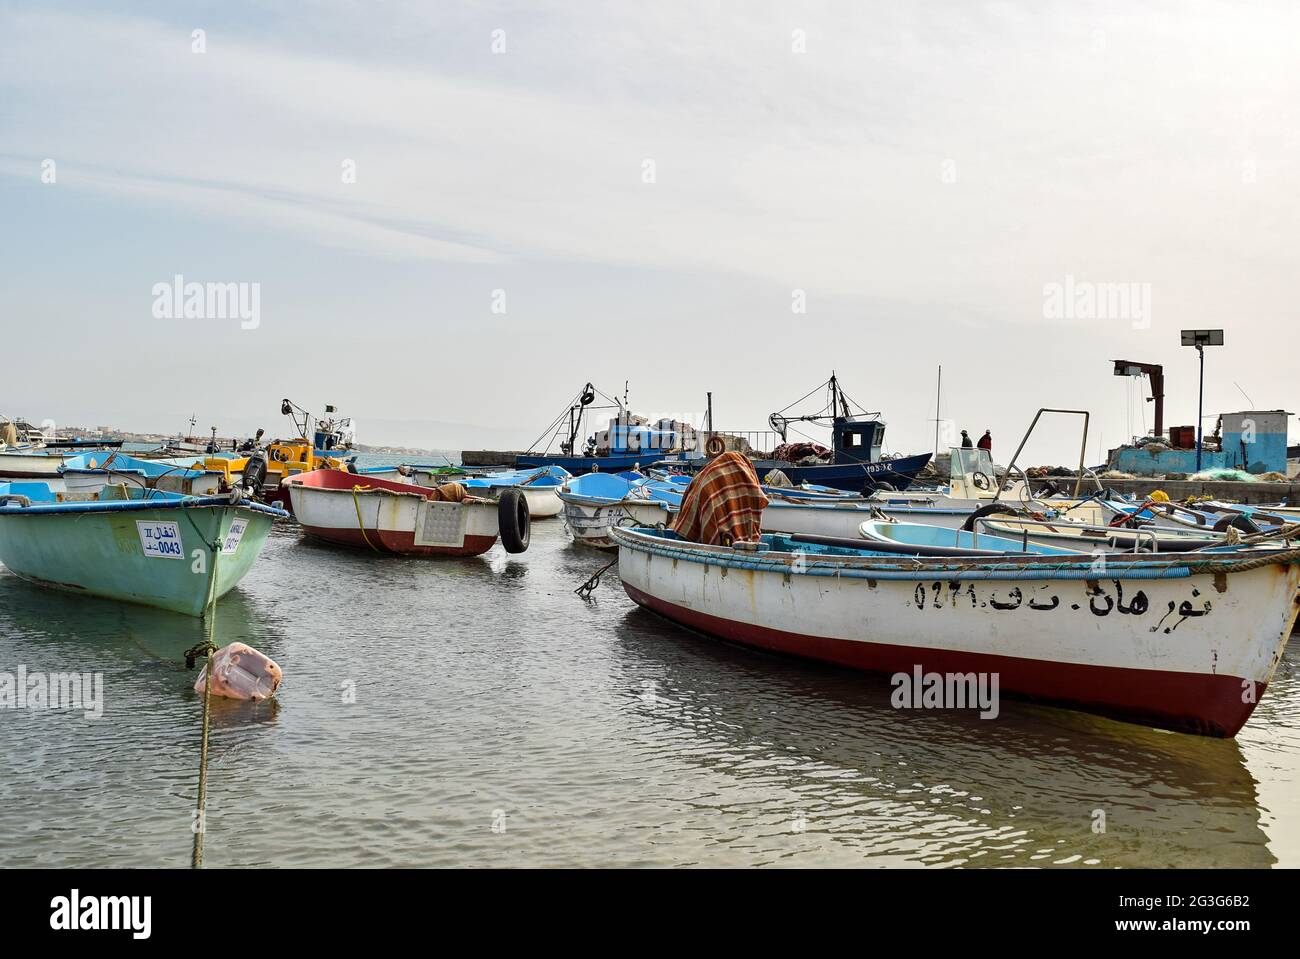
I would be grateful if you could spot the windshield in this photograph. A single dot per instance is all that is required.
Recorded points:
(967, 462)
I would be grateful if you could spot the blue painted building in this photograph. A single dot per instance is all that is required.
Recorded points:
(1254, 441)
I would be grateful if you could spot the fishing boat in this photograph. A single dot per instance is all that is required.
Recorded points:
(855, 460)
(627, 442)
(421, 474)
(938, 539)
(1070, 533)
(539, 487)
(1202, 518)
(595, 503)
(403, 518)
(34, 463)
(1181, 641)
(91, 472)
(136, 545)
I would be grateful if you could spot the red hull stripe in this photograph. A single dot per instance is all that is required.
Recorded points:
(1188, 702)
(390, 541)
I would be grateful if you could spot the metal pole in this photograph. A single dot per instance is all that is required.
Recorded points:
(938, 392)
(1200, 408)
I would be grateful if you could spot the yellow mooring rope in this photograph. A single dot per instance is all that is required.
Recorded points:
(361, 525)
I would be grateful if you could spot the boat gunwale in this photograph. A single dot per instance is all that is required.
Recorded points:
(10, 508)
(1029, 566)
(385, 491)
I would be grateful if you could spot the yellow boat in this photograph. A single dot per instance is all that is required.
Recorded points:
(284, 458)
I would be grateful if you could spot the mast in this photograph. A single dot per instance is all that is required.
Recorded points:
(837, 398)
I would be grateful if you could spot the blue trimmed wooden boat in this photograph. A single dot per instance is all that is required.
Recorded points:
(1185, 641)
(90, 472)
(136, 545)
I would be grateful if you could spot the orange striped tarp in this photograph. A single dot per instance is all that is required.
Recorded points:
(724, 503)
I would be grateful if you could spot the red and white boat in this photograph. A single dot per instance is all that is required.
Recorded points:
(1185, 641)
(387, 517)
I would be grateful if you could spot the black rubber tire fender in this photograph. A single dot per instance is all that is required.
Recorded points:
(988, 510)
(1236, 521)
(514, 521)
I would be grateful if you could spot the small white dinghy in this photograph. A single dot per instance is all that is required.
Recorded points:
(539, 486)
(595, 503)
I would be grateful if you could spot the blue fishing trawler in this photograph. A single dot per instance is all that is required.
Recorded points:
(855, 461)
(625, 444)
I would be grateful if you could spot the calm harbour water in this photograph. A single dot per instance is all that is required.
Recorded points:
(588, 732)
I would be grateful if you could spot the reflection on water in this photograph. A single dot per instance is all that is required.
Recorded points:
(1036, 786)
(477, 712)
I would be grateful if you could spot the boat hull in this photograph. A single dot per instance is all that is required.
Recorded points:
(577, 465)
(590, 521)
(92, 481)
(31, 466)
(384, 519)
(102, 553)
(1090, 645)
(543, 503)
(852, 477)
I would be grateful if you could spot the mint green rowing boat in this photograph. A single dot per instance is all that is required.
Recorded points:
(135, 545)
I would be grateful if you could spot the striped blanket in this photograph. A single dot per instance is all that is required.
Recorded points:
(724, 503)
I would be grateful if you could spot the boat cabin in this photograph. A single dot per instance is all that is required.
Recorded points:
(971, 476)
(857, 440)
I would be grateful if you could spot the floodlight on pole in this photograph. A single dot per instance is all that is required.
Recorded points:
(1201, 339)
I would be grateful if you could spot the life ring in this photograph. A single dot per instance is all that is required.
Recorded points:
(714, 446)
(514, 521)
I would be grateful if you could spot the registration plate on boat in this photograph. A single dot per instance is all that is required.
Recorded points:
(235, 534)
(160, 539)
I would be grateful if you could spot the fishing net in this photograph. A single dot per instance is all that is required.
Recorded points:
(1218, 475)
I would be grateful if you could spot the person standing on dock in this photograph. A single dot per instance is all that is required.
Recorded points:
(986, 442)
(965, 441)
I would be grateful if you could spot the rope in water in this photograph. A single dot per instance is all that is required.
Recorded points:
(360, 524)
(205, 648)
(589, 587)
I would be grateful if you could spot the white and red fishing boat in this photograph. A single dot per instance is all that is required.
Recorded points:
(1185, 641)
(387, 517)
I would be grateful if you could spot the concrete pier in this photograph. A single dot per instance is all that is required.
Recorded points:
(488, 457)
(1230, 491)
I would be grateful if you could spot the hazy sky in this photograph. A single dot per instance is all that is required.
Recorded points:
(920, 174)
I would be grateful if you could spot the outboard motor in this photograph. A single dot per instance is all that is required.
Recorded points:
(255, 470)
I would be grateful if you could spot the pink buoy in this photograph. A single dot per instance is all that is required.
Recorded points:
(241, 672)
